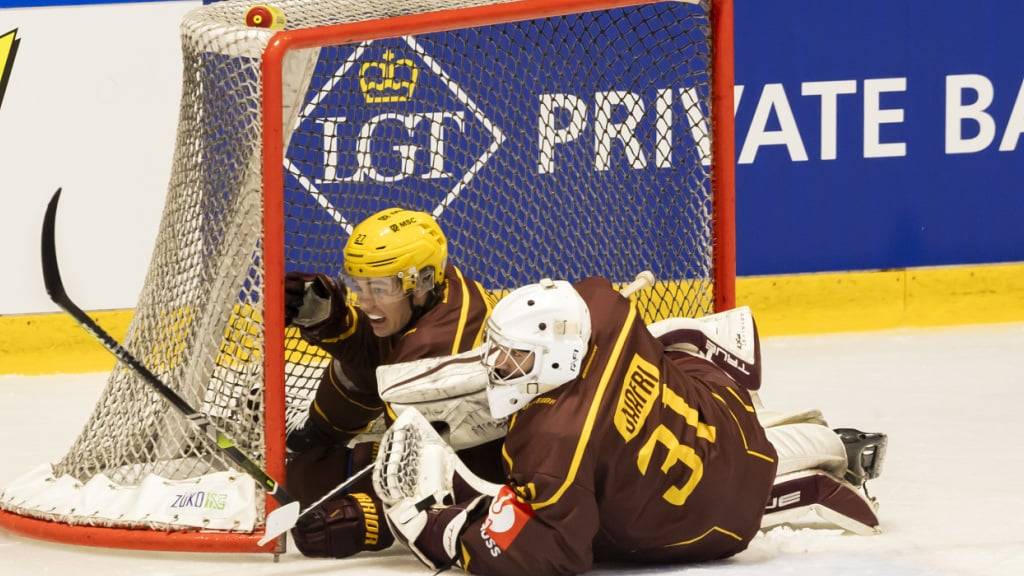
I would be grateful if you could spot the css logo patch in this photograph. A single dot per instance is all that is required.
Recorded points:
(506, 518)
(8, 50)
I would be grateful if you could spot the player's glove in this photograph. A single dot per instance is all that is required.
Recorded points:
(308, 298)
(343, 527)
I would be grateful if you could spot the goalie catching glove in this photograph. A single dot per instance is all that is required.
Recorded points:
(429, 495)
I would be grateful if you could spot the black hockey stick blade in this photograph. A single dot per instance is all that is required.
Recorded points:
(51, 274)
(55, 288)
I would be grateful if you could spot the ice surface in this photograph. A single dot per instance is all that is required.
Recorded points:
(951, 493)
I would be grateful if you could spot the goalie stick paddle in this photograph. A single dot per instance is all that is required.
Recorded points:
(55, 288)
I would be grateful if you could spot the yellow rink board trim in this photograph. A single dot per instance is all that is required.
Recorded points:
(877, 300)
(782, 305)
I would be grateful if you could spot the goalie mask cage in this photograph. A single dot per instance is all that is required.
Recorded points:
(560, 138)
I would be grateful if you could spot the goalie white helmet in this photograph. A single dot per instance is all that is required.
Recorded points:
(537, 337)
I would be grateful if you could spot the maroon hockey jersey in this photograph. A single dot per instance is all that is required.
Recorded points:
(643, 458)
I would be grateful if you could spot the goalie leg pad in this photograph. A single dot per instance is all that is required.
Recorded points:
(728, 339)
(831, 498)
(812, 463)
(807, 446)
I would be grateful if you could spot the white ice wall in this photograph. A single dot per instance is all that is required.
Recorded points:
(92, 105)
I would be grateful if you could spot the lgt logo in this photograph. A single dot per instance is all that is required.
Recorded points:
(390, 114)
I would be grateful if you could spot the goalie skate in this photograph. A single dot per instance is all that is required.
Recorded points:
(865, 454)
(823, 472)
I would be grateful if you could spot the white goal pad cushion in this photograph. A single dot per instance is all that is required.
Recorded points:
(807, 446)
(217, 501)
(728, 339)
(449, 389)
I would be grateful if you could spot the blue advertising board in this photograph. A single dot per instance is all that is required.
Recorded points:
(556, 143)
(878, 134)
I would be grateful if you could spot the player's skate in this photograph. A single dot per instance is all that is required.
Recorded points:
(865, 454)
(729, 339)
(825, 472)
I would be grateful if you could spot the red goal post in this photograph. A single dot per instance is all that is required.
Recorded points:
(252, 353)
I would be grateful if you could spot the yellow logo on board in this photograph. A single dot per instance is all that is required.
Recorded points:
(388, 81)
(8, 50)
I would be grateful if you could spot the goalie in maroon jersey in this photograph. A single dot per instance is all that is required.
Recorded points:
(627, 443)
(400, 300)
(616, 451)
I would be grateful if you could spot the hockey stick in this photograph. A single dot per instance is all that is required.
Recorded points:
(55, 288)
(643, 280)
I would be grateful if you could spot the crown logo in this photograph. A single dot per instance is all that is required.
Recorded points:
(380, 83)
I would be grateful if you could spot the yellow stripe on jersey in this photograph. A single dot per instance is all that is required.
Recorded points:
(506, 457)
(504, 445)
(746, 406)
(709, 531)
(351, 329)
(743, 436)
(595, 405)
(360, 430)
(463, 314)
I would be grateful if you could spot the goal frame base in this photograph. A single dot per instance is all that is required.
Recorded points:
(138, 539)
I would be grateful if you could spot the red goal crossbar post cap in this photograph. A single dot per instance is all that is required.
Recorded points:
(265, 16)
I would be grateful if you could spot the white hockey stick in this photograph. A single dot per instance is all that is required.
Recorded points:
(643, 280)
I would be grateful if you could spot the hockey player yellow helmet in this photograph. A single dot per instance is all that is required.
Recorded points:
(405, 248)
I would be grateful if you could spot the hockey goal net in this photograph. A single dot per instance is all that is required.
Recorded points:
(560, 138)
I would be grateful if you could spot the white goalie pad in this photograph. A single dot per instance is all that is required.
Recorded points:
(771, 418)
(449, 389)
(807, 446)
(216, 501)
(728, 339)
(811, 463)
(414, 472)
(810, 496)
